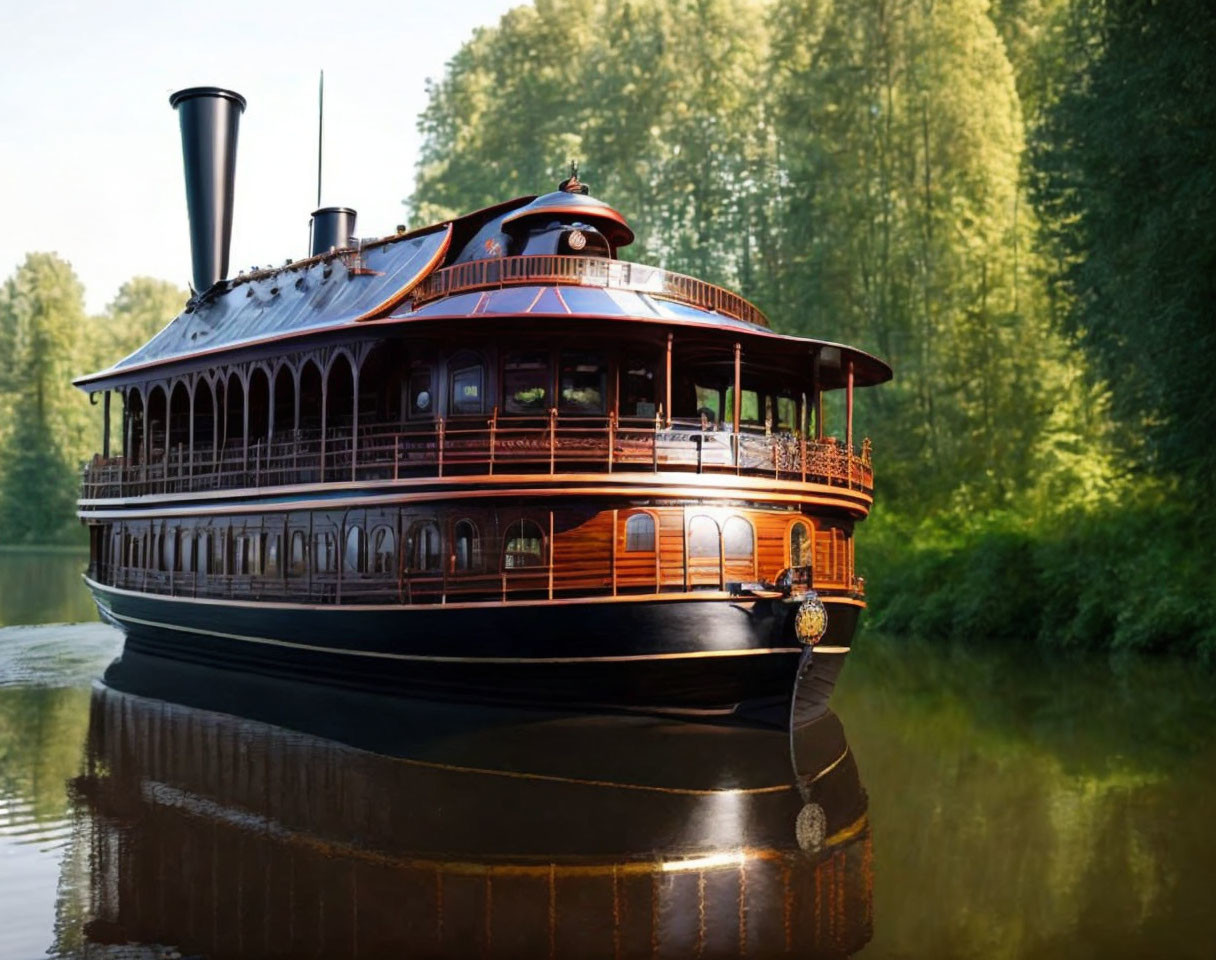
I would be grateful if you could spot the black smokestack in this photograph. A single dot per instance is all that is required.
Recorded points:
(210, 118)
(331, 227)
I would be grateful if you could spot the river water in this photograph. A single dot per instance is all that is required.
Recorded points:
(952, 803)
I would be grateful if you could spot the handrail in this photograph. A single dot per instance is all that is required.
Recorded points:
(562, 269)
(551, 445)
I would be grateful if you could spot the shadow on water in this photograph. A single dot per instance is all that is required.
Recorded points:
(233, 816)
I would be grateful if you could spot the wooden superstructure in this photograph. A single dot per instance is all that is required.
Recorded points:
(492, 414)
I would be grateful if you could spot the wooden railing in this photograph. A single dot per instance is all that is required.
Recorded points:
(586, 272)
(398, 587)
(483, 447)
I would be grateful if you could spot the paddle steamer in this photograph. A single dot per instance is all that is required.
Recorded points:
(487, 458)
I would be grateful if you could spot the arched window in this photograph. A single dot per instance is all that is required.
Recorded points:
(425, 546)
(273, 550)
(639, 533)
(703, 539)
(523, 546)
(466, 379)
(738, 541)
(354, 557)
(203, 552)
(384, 550)
(299, 562)
(800, 545)
(324, 553)
(467, 546)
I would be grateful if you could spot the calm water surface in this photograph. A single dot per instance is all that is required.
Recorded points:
(955, 804)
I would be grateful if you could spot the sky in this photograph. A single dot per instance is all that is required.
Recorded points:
(90, 151)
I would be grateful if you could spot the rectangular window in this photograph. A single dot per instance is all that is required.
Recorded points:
(421, 400)
(638, 388)
(526, 383)
(466, 390)
(582, 384)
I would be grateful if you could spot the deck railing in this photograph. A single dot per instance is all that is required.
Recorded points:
(586, 272)
(549, 445)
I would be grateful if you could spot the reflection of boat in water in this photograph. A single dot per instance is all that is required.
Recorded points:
(491, 834)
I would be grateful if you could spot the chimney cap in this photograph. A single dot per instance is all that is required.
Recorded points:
(191, 92)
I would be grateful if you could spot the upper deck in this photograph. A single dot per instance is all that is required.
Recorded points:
(510, 342)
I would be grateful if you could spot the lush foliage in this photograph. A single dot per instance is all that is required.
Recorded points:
(47, 427)
(1007, 200)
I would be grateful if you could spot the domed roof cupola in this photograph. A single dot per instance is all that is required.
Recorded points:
(571, 206)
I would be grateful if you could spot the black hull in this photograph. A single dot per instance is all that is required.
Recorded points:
(691, 655)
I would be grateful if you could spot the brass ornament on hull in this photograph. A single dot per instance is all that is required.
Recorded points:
(811, 620)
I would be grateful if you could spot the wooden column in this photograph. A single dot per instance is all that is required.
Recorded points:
(736, 414)
(324, 416)
(667, 383)
(215, 426)
(105, 425)
(190, 438)
(848, 416)
(245, 425)
(354, 427)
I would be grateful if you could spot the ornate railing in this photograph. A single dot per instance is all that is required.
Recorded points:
(586, 272)
(483, 447)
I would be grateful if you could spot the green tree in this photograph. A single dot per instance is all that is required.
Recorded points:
(1126, 181)
(42, 323)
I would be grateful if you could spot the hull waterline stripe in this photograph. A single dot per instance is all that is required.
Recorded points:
(384, 655)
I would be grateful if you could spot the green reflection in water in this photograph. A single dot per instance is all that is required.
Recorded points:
(44, 586)
(1034, 806)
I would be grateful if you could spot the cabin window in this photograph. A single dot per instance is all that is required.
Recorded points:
(254, 554)
(425, 546)
(784, 414)
(523, 546)
(384, 550)
(273, 555)
(354, 557)
(422, 400)
(218, 539)
(709, 405)
(703, 538)
(638, 388)
(324, 552)
(749, 409)
(639, 533)
(800, 545)
(240, 554)
(738, 541)
(582, 384)
(526, 383)
(299, 563)
(467, 546)
(468, 382)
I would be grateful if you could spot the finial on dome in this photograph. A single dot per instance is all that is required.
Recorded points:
(573, 184)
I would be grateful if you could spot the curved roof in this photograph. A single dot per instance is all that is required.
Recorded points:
(600, 303)
(562, 204)
(348, 286)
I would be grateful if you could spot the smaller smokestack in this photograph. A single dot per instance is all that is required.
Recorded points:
(331, 227)
(210, 118)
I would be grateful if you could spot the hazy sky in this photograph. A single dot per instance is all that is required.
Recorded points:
(90, 154)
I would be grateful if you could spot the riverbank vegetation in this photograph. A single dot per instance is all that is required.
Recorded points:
(47, 427)
(1009, 200)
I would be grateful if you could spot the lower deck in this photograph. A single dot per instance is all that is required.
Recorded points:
(480, 553)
